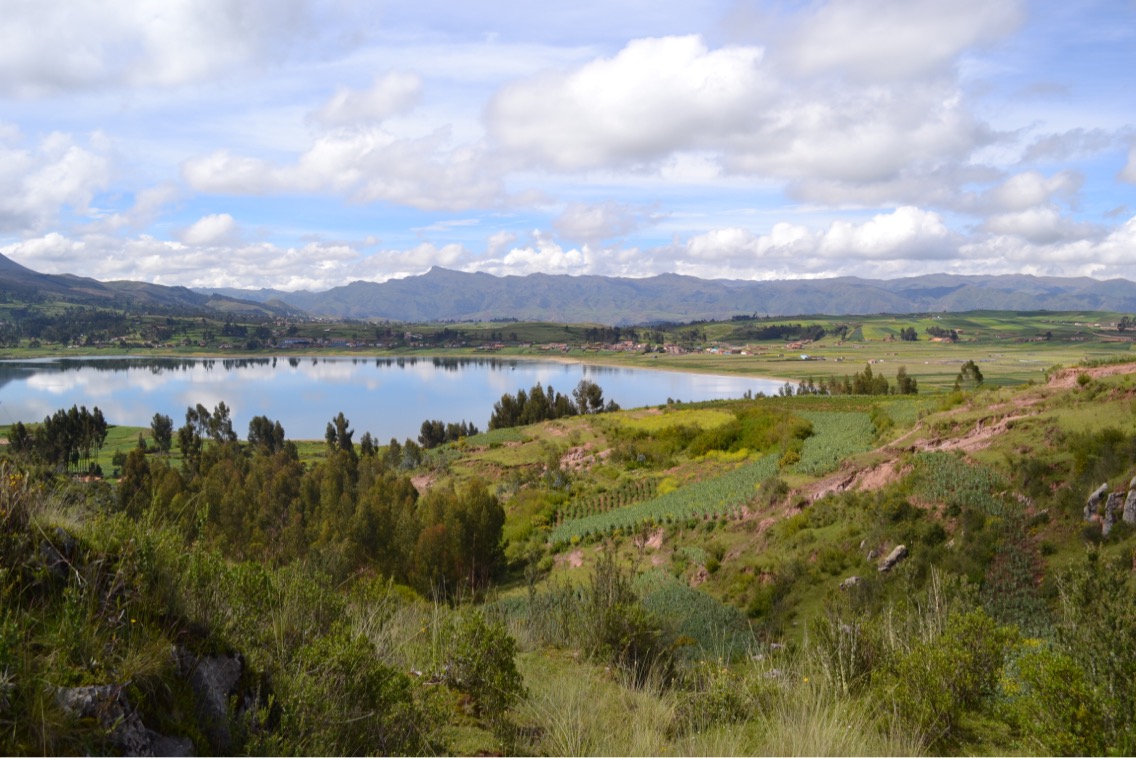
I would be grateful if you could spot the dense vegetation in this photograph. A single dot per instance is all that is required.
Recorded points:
(691, 579)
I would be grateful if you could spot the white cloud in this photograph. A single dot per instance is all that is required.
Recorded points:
(391, 93)
(652, 98)
(580, 222)
(1029, 189)
(37, 183)
(908, 234)
(365, 165)
(211, 230)
(51, 47)
(1040, 225)
(884, 40)
(1128, 173)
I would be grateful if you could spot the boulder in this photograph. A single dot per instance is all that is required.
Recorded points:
(1111, 507)
(58, 553)
(106, 704)
(1092, 505)
(1130, 503)
(850, 582)
(213, 679)
(895, 556)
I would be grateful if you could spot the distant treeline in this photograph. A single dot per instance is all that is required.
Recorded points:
(783, 332)
(864, 382)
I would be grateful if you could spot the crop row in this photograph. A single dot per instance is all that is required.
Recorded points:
(627, 493)
(721, 496)
(836, 435)
(949, 479)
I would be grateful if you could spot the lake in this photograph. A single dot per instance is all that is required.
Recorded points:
(389, 397)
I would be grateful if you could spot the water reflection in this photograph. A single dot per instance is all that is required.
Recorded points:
(390, 397)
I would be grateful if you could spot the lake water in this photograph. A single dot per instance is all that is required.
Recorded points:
(389, 397)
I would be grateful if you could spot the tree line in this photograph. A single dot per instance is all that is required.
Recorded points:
(356, 510)
(546, 404)
(68, 440)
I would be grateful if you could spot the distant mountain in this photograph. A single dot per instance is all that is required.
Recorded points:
(23, 283)
(444, 295)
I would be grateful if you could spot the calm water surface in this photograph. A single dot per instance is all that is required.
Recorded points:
(389, 397)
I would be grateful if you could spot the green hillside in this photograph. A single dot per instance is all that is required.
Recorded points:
(711, 578)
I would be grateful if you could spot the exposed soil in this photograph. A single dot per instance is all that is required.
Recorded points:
(1067, 378)
(422, 483)
(574, 559)
(581, 458)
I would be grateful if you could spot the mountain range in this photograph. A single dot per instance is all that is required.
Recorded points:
(445, 295)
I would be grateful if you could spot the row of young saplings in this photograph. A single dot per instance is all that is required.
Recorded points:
(639, 490)
(690, 521)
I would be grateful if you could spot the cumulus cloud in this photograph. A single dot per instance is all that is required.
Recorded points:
(1030, 189)
(48, 48)
(581, 222)
(37, 182)
(1040, 225)
(662, 102)
(1128, 173)
(655, 96)
(390, 94)
(908, 234)
(881, 40)
(365, 165)
(211, 230)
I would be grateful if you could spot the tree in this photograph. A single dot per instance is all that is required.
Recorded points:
(589, 397)
(969, 377)
(265, 435)
(904, 384)
(162, 430)
(339, 433)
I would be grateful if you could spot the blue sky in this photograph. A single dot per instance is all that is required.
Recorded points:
(310, 143)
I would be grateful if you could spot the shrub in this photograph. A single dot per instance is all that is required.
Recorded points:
(1050, 701)
(479, 661)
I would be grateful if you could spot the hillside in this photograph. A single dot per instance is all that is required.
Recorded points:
(22, 284)
(849, 574)
(444, 295)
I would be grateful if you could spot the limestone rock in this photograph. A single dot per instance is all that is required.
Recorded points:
(1130, 503)
(850, 582)
(58, 553)
(213, 679)
(1094, 501)
(895, 556)
(107, 705)
(1110, 510)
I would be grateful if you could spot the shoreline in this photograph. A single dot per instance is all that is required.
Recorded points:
(589, 359)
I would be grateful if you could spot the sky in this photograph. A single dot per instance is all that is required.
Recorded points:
(306, 144)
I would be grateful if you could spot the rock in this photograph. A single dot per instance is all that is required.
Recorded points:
(107, 705)
(213, 679)
(873, 554)
(1094, 501)
(850, 582)
(1110, 509)
(894, 557)
(1130, 503)
(58, 553)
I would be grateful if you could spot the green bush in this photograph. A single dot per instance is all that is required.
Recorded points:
(339, 699)
(479, 661)
(943, 676)
(1049, 700)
